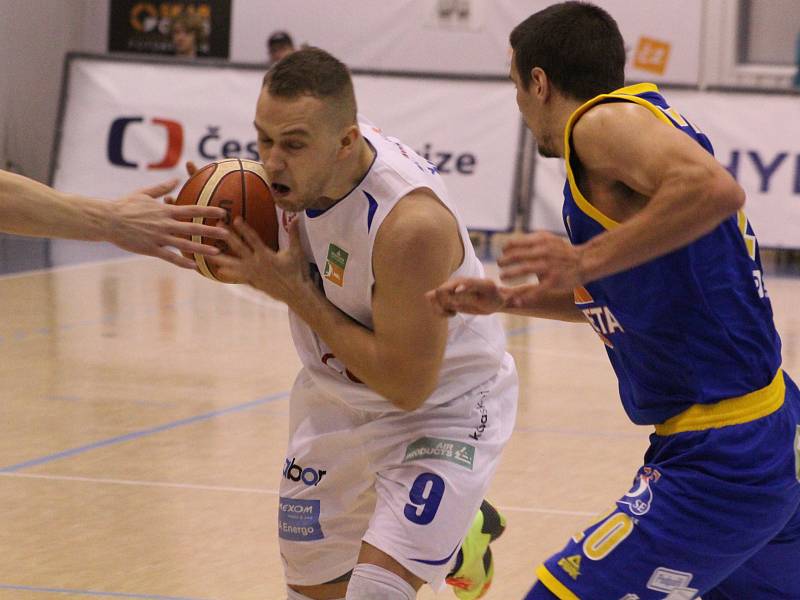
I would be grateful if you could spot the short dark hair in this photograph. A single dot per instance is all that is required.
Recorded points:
(279, 38)
(313, 72)
(577, 44)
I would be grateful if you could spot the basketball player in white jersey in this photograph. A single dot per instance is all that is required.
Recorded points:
(398, 416)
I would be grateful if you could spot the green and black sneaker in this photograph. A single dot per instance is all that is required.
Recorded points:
(474, 569)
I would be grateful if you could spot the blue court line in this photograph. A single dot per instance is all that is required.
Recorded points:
(137, 434)
(47, 590)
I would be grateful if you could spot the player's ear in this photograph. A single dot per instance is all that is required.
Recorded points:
(540, 84)
(348, 139)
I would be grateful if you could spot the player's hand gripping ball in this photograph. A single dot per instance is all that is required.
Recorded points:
(240, 187)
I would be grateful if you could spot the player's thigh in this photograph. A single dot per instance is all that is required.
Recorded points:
(773, 573)
(435, 471)
(326, 490)
(669, 536)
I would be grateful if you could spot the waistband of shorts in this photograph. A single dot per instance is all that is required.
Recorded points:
(547, 579)
(731, 411)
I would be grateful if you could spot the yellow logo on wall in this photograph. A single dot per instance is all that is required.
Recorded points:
(652, 55)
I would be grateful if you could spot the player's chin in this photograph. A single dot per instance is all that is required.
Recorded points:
(284, 196)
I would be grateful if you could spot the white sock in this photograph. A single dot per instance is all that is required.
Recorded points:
(371, 582)
(292, 595)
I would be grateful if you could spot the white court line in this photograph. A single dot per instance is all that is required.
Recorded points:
(244, 490)
(167, 484)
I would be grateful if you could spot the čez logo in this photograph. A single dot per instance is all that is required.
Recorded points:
(307, 475)
(116, 135)
(211, 146)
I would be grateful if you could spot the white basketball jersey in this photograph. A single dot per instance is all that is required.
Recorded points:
(338, 244)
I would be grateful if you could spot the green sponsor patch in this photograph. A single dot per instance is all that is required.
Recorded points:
(337, 256)
(437, 448)
(335, 265)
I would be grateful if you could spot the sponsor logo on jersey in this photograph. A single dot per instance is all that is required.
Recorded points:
(669, 580)
(640, 497)
(481, 427)
(335, 265)
(308, 475)
(286, 219)
(630, 597)
(329, 360)
(682, 594)
(571, 565)
(600, 318)
(298, 520)
(440, 449)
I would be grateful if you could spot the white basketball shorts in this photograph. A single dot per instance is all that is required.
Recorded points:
(408, 483)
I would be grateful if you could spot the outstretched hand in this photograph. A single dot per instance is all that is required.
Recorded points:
(553, 259)
(483, 297)
(141, 224)
(468, 295)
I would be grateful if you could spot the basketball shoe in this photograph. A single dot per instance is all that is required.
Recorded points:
(474, 568)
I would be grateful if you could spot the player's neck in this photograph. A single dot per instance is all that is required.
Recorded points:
(562, 112)
(352, 172)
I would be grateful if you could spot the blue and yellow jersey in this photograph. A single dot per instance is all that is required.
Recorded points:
(691, 327)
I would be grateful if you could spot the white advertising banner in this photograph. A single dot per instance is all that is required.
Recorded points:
(463, 36)
(469, 129)
(756, 136)
(128, 124)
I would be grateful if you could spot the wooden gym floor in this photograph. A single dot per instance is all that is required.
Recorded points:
(143, 416)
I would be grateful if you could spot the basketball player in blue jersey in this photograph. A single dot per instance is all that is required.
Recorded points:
(663, 263)
(397, 417)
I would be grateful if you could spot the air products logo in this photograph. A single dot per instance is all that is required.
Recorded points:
(120, 127)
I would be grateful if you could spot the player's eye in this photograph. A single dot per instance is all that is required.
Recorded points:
(295, 145)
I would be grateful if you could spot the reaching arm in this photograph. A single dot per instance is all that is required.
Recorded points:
(416, 249)
(484, 297)
(137, 222)
(688, 194)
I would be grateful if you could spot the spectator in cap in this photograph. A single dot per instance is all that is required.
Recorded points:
(279, 44)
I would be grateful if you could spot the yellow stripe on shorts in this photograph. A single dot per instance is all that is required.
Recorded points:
(732, 411)
(554, 585)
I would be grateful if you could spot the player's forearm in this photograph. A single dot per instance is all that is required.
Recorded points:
(555, 305)
(407, 384)
(31, 208)
(678, 214)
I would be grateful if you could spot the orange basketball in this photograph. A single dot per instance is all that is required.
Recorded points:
(240, 187)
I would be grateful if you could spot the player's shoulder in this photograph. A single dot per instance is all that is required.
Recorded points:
(420, 214)
(608, 116)
(608, 127)
(418, 226)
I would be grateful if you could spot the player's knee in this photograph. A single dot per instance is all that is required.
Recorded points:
(540, 592)
(371, 582)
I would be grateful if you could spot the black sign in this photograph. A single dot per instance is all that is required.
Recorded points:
(142, 26)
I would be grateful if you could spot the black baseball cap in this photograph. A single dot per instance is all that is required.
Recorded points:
(279, 38)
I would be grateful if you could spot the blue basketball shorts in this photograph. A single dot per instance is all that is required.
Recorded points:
(712, 513)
